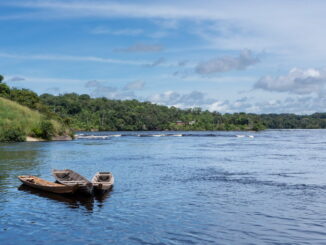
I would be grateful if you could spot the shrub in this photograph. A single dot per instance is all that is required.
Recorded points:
(4, 90)
(36, 132)
(45, 130)
(12, 133)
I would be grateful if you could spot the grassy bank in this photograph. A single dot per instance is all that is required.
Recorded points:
(17, 122)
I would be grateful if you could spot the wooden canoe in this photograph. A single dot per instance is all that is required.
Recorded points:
(71, 178)
(103, 181)
(45, 185)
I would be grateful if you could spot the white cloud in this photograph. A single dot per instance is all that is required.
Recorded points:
(15, 79)
(102, 9)
(157, 62)
(141, 47)
(53, 90)
(52, 80)
(167, 23)
(135, 85)
(297, 105)
(297, 81)
(227, 63)
(121, 32)
(71, 58)
(279, 26)
(185, 100)
(219, 106)
(98, 89)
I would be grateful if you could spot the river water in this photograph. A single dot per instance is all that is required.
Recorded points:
(171, 188)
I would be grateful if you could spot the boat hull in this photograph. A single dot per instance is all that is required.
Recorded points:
(70, 178)
(103, 181)
(44, 185)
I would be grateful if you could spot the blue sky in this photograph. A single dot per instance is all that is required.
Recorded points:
(228, 56)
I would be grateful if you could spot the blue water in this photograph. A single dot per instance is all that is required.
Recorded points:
(171, 188)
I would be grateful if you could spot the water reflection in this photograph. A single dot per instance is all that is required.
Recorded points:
(100, 197)
(17, 157)
(71, 200)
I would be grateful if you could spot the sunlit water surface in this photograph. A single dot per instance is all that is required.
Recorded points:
(171, 188)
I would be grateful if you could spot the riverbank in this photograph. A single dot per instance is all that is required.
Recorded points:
(19, 123)
(56, 138)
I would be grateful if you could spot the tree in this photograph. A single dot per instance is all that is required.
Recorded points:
(4, 90)
(25, 97)
(1, 78)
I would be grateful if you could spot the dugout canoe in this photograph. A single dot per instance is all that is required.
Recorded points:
(71, 178)
(103, 181)
(45, 185)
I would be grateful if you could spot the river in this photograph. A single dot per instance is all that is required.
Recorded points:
(267, 187)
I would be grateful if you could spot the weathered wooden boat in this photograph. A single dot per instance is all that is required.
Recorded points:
(71, 178)
(103, 181)
(45, 185)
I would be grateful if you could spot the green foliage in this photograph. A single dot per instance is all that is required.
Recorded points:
(81, 112)
(44, 130)
(12, 133)
(17, 122)
(47, 129)
(24, 97)
(292, 121)
(4, 90)
(1, 78)
(84, 113)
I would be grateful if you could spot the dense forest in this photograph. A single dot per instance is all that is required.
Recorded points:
(85, 113)
(81, 112)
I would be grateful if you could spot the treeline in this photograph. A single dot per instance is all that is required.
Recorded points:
(293, 121)
(81, 112)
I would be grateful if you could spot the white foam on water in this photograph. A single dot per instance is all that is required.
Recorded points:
(92, 136)
(251, 136)
(240, 135)
(176, 135)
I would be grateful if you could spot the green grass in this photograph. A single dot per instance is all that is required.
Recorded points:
(17, 122)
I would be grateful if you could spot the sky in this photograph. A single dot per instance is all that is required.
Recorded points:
(226, 56)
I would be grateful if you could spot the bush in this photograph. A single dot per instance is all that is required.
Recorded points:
(12, 134)
(45, 130)
(4, 90)
(36, 132)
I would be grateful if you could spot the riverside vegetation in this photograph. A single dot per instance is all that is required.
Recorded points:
(20, 117)
(24, 113)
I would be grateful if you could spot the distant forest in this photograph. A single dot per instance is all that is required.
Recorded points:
(81, 112)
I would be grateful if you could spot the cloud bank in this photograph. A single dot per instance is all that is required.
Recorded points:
(297, 81)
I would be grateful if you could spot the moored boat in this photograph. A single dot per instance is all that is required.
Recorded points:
(71, 178)
(103, 181)
(45, 185)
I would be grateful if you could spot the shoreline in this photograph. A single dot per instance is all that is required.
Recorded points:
(55, 138)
